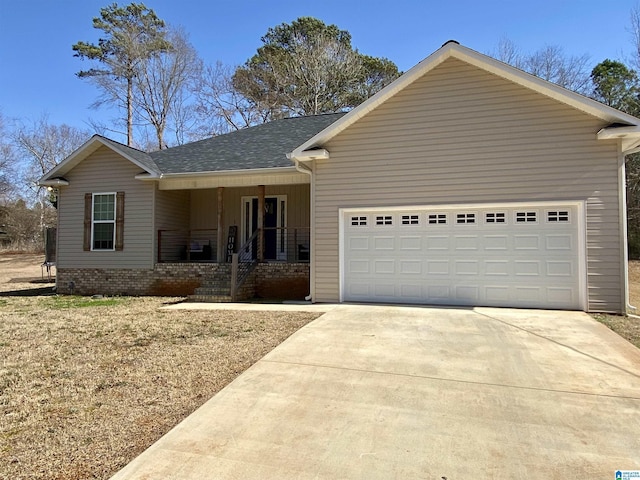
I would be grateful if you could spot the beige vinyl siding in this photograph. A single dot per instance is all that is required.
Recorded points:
(104, 172)
(172, 213)
(462, 135)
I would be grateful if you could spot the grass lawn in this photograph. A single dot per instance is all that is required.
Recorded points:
(86, 385)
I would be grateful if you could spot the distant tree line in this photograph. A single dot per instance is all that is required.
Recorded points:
(148, 71)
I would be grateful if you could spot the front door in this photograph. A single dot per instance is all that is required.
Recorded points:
(274, 222)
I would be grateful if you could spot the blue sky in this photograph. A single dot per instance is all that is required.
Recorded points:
(37, 65)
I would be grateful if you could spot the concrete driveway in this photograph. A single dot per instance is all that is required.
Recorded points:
(373, 392)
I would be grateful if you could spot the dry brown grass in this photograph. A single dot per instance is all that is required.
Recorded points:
(86, 385)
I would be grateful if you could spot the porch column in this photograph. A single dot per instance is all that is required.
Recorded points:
(220, 249)
(261, 223)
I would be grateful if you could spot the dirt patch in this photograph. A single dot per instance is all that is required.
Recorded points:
(23, 272)
(87, 384)
(634, 283)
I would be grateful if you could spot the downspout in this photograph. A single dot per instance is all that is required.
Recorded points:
(312, 283)
(623, 220)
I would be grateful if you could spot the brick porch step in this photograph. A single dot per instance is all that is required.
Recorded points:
(210, 298)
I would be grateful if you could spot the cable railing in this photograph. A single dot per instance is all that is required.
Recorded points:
(197, 245)
(242, 263)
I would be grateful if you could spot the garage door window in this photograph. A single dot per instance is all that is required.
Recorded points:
(465, 218)
(359, 221)
(558, 216)
(384, 220)
(527, 217)
(495, 217)
(410, 220)
(437, 218)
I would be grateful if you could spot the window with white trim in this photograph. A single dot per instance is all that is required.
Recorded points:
(103, 221)
(410, 219)
(359, 221)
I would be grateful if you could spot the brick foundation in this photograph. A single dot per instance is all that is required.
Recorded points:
(287, 281)
(166, 279)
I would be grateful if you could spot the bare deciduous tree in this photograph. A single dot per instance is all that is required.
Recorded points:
(8, 164)
(40, 147)
(162, 87)
(550, 63)
(220, 107)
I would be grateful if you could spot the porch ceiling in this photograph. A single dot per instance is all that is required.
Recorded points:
(262, 176)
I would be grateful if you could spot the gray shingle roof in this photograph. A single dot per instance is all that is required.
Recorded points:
(262, 146)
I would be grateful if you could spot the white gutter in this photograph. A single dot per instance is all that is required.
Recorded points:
(248, 171)
(312, 283)
(54, 182)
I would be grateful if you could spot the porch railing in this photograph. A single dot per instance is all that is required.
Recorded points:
(287, 244)
(197, 245)
(242, 263)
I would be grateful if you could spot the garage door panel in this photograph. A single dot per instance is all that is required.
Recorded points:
(438, 242)
(497, 256)
(413, 243)
(496, 243)
(384, 266)
(438, 267)
(467, 267)
(359, 266)
(526, 242)
(386, 243)
(358, 243)
(528, 268)
(411, 291)
(497, 294)
(467, 294)
(385, 291)
(562, 242)
(559, 268)
(466, 242)
(497, 267)
(410, 267)
(558, 296)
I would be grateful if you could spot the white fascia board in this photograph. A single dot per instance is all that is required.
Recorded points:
(147, 176)
(83, 152)
(629, 137)
(484, 62)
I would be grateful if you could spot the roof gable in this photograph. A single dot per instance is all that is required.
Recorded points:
(137, 157)
(454, 50)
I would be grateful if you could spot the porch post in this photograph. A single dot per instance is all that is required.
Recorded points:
(221, 251)
(261, 223)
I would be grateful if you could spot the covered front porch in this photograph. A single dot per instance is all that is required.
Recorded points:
(264, 223)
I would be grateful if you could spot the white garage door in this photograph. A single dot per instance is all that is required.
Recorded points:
(494, 255)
